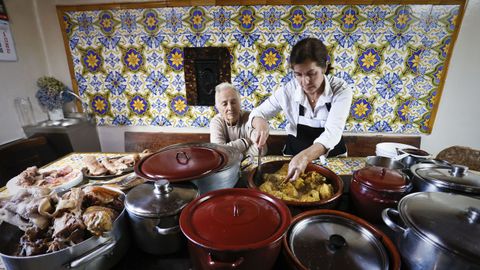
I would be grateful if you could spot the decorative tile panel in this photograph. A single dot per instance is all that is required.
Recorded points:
(129, 63)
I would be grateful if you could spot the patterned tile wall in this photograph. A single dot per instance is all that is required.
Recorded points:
(128, 63)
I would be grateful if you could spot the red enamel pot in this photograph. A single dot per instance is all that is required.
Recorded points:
(234, 229)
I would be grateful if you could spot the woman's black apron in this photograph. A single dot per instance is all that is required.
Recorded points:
(307, 131)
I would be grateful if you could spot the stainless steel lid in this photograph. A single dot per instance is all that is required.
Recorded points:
(446, 220)
(159, 199)
(455, 177)
(335, 242)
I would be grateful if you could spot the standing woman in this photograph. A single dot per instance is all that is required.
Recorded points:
(315, 104)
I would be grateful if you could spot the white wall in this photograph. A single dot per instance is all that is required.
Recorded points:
(458, 117)
(18, 79)
(456, 122)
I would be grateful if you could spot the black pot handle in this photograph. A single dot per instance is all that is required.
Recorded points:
(216, 264)
(389, 221)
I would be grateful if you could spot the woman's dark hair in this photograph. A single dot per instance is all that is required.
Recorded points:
(311, 49)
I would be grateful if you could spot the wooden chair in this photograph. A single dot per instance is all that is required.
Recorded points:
(16, 156)
(461, 155)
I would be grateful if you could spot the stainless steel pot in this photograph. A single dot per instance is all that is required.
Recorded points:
(319, 239)
(437, 230)
(94, 253)
(154, 210)
(384, 162)
(445, 178)
(209, 166)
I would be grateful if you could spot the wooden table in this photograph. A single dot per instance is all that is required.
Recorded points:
(136, 259)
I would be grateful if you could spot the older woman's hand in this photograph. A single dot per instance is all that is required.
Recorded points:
(262, 131)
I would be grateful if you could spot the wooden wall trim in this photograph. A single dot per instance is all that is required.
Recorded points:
(358, 146)
(184, 3)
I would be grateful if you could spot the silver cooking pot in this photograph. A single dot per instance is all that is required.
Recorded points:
(153, 210)
(437, 230)
(445, 178)
(209, 166)
(93, 253)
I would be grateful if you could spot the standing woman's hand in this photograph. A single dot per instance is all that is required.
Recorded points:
(297, 166)
(262, 131)
(299, 162)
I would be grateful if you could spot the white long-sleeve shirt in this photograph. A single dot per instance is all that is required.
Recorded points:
(290, 96)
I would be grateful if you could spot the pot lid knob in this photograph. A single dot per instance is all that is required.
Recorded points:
(336, 242)
(162, 187)
(458, 170)
(473, 215)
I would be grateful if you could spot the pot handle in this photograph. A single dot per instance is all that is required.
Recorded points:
(390, 223)
(167, 231)
(215, 264)
(105, 249)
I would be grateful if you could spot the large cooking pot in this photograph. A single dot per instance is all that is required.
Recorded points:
(329, 239)
(93, 253)
(234, 229)
(209, 166)
(254, 181)
(437, 230)
(373, 189)
(445, 178)
(153, 210)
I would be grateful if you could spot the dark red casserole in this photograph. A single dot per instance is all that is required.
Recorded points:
(234, 229)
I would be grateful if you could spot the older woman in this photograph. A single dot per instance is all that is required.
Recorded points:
(229, 127)
(315, 104)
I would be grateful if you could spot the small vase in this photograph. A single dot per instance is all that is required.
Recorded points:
(55, 114)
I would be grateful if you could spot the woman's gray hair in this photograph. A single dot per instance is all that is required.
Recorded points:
(224, 86)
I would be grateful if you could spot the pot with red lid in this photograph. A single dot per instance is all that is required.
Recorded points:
(373, 189)
(234, 229)
(330, 239)
(209, 166)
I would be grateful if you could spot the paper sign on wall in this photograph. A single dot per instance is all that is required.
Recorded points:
(7, 50)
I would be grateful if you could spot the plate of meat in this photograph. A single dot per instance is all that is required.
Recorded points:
(101, 168)
(53, 178)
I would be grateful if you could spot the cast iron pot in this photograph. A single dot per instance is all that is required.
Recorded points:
(93, 253)
(296, 207)
(153, 210)
(437, 230)
(436, 177)
(209, 166)
(330, 239)
(234, 229)
(373, 189)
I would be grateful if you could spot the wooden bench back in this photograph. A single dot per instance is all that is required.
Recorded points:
(358, 146)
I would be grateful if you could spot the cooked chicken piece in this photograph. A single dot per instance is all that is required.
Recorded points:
(28, 177)
(113, 166)
(67, 224)
(94, 167)
(22, 209)
(99, 196)
(129, 160)
(70, 201)
(99, 219)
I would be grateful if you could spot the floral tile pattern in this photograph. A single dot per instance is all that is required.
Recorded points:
(129, 63)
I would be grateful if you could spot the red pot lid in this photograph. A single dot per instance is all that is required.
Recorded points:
(382, 179)
(181, 163)
(235, 219)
